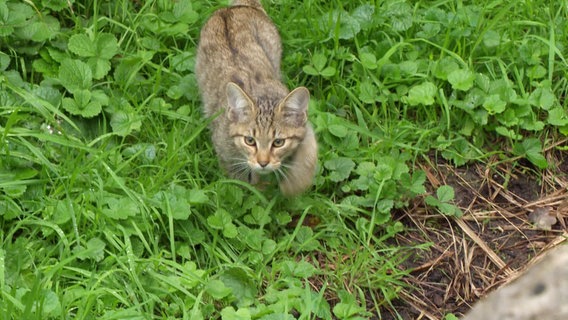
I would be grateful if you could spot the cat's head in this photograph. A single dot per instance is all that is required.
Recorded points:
(264, 134)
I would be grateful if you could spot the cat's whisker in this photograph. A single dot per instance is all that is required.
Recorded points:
(278, 174)
(241, 170)
(282, 174)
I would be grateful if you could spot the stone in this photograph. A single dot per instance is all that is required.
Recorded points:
(539, 293)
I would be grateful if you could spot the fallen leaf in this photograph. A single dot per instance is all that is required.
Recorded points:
(542, 219)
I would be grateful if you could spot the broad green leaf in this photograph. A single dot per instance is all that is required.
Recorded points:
(461, 79)
(368, 60)
(537, 72)
(120, 208)
(219, 219)
(349, 307)
(340, 168)
(298, 269)
(87, 109)
(4, 61)
(364, 15)
(460, 152)
(483, 82)
(445, 67)
(82, 98)
(504, 88)
(57, 55)
(445, 193)
(532, 124)
(508, 133)
(183, 62)
(124, 123)
(62, 211)
(81, 45)
(349, 27)
(9, 210)
(491, 39)
(174, 202)
(450, 316)
(269, 246)
(431, 201)
(230, 231)
(217, 289)
(4, 15)
(50, 306)
(48, 93)
(398, 165)
(259, 216)
(429, 30)
(423, 93)
(305, 239)
(473, 99)
(57, 5)
(338, 130)
(310, 70)
(328, 72)
(319, 61)
(408, 67)
(450, 209)
(106, 46)
(126, 71)
(100, 97)
(5, 30)
(183, 12)
(543, 98)
(494, 105)
(414, 183)
(241, 284)
(94, 250)
(557, 117)
(509, 118)
(180, 208)
(384, 171)
(99, 67)
(229, 313)
(40, 30)
(75, 75)
(365, 168)
(14, 191)
(150, 43)
(384, 206)
(17, 14)
(400, 15)
(197, 196)
(531, 148)
(368, 92)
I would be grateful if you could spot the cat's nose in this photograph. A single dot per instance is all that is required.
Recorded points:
(263, 163)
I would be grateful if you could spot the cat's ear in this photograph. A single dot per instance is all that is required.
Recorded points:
(294, 108)
(239, 106)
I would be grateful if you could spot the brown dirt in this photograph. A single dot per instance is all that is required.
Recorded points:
(493, 243)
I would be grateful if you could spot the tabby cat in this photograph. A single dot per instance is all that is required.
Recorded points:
(260, 127)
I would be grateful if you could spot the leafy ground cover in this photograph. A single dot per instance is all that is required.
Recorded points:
(441, 125)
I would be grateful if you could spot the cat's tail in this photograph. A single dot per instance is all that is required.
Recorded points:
(249, 3)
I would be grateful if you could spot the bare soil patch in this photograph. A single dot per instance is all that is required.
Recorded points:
(493, 243)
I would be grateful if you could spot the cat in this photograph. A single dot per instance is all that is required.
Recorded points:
(259, 126)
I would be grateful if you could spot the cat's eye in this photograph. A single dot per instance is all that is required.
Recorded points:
(277, 143)
(250, 141)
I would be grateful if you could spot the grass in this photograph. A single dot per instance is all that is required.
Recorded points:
(112, 204)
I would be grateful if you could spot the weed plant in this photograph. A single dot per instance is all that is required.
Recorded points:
(112, 204)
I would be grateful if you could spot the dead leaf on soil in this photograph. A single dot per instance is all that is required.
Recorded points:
(542, 219)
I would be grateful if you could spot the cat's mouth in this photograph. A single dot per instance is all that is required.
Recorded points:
(264, 169)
